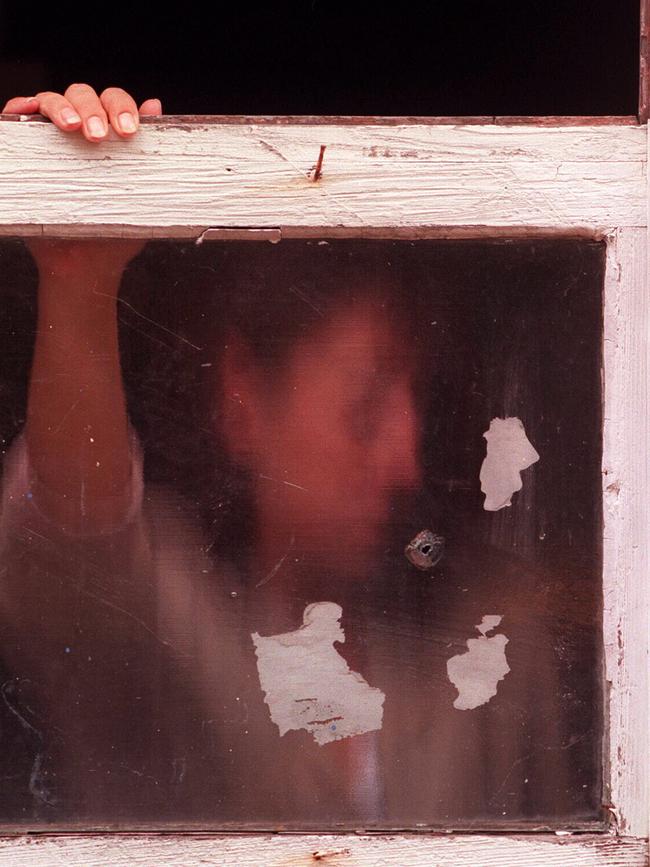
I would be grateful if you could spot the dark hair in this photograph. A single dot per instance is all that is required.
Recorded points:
(277, 294)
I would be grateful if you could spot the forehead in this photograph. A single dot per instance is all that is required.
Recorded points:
(354, 337)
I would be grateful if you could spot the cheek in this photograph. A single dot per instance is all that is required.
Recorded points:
(394, 448)
(346, 454)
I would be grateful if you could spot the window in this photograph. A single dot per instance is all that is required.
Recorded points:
(507, 207)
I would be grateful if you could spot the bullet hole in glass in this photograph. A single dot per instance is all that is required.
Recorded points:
(425, 550)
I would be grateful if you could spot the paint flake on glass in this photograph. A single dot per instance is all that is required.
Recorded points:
(308, 685)
(509, 452)
(476, 674)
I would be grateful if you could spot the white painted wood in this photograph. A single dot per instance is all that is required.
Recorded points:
(647, 277)
(626, 498)
(203, 175)
(469, 180)
(330, 851)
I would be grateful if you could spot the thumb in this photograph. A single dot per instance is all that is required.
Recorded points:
(150, 108)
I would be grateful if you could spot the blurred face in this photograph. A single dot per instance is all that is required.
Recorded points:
(334, 437)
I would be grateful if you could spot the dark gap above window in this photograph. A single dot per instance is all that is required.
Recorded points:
(316, 57)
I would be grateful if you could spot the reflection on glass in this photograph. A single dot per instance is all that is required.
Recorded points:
(250, 578)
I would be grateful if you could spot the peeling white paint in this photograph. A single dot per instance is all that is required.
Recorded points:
(175, 849)
(475, 674)
(308, 685)
(453, 175)
(509, 451)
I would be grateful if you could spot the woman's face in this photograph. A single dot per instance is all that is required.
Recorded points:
(335, 436)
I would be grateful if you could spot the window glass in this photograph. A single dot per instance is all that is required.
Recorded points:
(301, 535)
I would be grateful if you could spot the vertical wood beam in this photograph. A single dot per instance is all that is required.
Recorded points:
(644, 62)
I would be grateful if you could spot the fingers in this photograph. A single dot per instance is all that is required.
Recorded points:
(80, 108)
(21, 105)
(122, 111)
(59, 110)
(150, 108)
(89, 108)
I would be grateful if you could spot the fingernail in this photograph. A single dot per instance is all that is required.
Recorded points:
(127, 122)
(70, 116)
(96, 127)
(31, 99)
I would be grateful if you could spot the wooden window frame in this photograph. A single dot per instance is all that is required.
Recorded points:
(273, 178)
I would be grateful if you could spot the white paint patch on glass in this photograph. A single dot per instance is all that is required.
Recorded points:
(308, 685)
(476, 674)
(509, 452)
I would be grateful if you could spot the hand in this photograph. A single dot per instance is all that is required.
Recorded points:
(81, 108)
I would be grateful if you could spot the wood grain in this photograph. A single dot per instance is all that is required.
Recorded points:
(330, 851)
(373, 120)
(644, 61)
(252, 175)
(626, 500)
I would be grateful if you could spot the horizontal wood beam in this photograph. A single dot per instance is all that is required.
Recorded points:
(329, 850)
(252, 175)
(372, 120)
